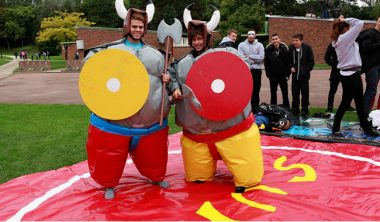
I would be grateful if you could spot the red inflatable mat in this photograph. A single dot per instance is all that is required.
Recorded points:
(303, 181)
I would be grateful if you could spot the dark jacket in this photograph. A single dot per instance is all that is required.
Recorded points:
(369, 43)
(332, 59)
(277, 64)
(226, 41)
(302, 61)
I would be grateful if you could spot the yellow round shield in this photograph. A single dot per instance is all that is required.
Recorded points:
(114, 84)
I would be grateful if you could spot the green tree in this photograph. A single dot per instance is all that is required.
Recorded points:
(243, 18)
(11, 31)
(285, 7)
(102, 12)
(375, 11)
(61, 28)
(16, 24)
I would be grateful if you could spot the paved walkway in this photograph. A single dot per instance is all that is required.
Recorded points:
(62, 88)
(7, 69)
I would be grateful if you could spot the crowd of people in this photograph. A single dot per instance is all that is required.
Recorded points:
(296, 61)
(205, 140)
(37, 56)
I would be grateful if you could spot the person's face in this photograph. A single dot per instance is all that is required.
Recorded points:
(297, 43)
(276, 41)
(233, 36)
(137, 29)
(251, 37)
(198, 42)
(378, 24)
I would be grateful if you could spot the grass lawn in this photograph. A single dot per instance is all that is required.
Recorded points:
(35, 138)
(321, 67)
(4, 59)
(58, 64)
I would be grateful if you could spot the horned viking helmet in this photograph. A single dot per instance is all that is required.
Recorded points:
(207, 27)
(126, 14)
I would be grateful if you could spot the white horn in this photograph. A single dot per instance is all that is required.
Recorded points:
(150, 10)
(187, 15)
(214, 21)
(120, 9)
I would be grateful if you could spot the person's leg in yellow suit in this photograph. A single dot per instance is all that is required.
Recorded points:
(241, 153)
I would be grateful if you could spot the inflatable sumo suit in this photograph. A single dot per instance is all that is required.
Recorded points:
(236, 141)
(140, 135)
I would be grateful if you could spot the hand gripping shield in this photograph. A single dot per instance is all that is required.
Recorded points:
(222, 83)
(114, 84)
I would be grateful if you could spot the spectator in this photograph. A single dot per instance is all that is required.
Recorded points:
(22, 55)
(230, 39)
(254, 51)
(344, 32)
(277, 69)
(332, 60)
(370, 54)
(301, 62)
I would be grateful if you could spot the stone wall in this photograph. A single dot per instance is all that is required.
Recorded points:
(74, 65)
(30, 66)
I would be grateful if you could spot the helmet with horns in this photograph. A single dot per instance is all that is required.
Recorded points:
(127, 14)
(206, 27)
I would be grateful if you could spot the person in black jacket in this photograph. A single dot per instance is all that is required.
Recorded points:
(230, 39)
(370, 54)
(332, 60)
(302, 62)
(277, 69)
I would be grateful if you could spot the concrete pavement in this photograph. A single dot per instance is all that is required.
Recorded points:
(8, 69)
(62, 88)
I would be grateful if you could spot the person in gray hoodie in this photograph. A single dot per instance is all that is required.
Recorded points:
(255, 52)
(344, 32)
(230, 39)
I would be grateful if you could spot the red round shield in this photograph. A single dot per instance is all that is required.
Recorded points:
(222, 83)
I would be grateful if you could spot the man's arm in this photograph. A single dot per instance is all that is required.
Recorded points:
(328, 55)
(258, 58)
(310, 61)
(173, 85)
(368, 45)
(285, 60)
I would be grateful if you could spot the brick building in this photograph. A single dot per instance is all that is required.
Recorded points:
(89, 37)
(316, 31)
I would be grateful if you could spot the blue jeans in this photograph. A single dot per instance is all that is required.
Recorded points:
(372, 78)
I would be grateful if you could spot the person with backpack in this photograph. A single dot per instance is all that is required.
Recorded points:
(369, 41)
